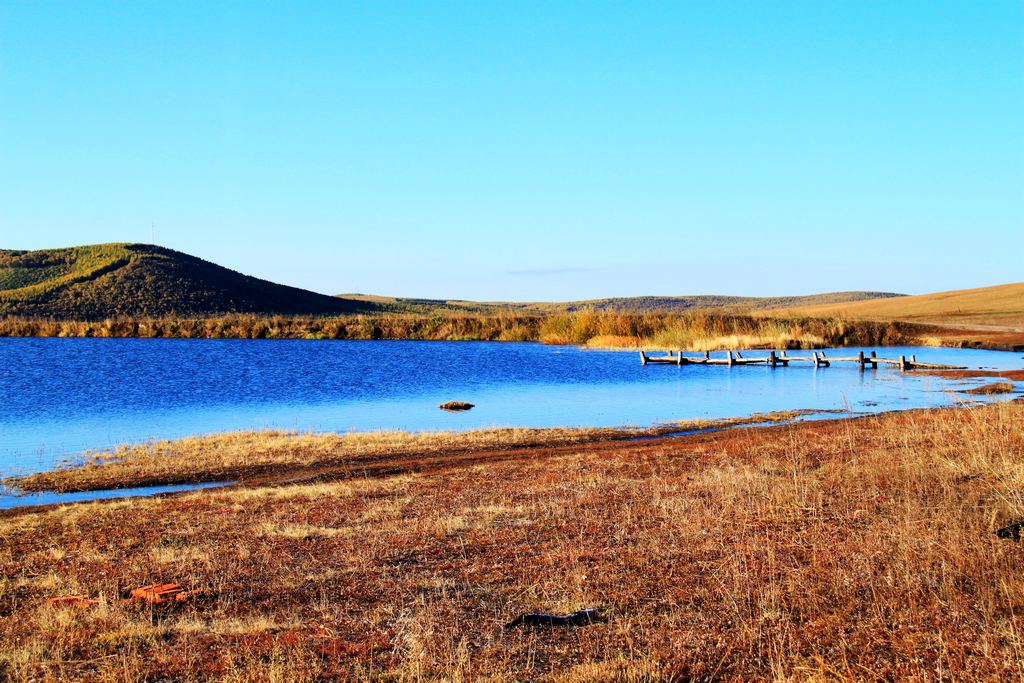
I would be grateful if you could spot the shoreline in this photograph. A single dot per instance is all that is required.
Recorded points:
(212, 457)
(124, 468)
(292, 456)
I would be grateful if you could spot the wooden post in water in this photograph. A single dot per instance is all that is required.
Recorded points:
(817, 363)
(772, 360)
(679, 358)
(728, 358)
(860, 360)
(707, 355)
(643, 358)
(874, 365)
(785, 358)
(903, 363)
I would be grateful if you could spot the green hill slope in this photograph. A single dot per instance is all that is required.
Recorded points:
(133, 280)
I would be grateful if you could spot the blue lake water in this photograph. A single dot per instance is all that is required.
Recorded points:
(59, 397)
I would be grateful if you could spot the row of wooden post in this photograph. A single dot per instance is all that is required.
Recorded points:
(873, 360)
(774, 359)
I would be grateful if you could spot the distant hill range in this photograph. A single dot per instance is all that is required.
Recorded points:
(138, 280)
(636, 304)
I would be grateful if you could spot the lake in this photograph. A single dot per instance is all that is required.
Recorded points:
(59, 397)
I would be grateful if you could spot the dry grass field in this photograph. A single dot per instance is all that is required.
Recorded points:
(1001, 306)
(848, 549)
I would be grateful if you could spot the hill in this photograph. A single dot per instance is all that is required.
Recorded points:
(135, 280)
(998, 306)
(638, 304)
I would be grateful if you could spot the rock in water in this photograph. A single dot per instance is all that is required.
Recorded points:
(456, 405)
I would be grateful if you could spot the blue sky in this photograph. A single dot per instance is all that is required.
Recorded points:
(526, 150)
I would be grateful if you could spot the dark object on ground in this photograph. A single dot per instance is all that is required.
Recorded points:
(1011, 531)
(455, 405)
(584, 617)
(994, 388)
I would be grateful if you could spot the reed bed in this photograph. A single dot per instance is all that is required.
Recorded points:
(698, 331)
(849, 550)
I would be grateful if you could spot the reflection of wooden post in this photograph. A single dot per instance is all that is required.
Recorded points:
(860, 360)
(643, 358)
(728, 358)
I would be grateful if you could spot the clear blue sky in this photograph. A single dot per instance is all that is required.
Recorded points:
(526, 150)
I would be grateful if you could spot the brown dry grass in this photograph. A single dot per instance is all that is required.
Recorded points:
(856, 549)
(992, 388)
(259, 455)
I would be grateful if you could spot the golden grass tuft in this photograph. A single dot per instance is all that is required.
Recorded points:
(991, 389)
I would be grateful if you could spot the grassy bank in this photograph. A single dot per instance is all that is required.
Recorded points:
(269, 454)
(696, 331)
(840, 550)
